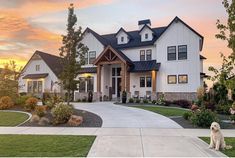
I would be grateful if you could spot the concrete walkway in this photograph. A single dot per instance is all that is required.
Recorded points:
(138, 142)
(127, 117)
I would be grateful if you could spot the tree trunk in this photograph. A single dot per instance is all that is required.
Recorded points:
(68, 97)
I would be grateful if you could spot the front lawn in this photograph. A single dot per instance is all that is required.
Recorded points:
(229, 141)
(166, 111)
(45, 146)
(12, 118)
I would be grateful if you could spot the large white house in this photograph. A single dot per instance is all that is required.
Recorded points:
(145, 63)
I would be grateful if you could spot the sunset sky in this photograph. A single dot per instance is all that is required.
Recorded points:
(29, 25)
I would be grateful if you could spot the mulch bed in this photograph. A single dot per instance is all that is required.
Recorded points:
(89, 119)
(186, 124)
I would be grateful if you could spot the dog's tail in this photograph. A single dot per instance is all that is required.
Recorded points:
(227, 147)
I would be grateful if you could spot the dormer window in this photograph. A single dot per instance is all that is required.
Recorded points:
(146, 36)
(37, 67)
(122, 39)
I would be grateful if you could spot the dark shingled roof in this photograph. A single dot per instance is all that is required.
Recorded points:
(142, 22)
(142, 66)
(54, 62)
(88, 70)
(35, 76)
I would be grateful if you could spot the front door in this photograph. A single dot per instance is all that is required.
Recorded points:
(116, 82)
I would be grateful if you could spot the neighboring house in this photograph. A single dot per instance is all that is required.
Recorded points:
(41, 74)
(145, 63)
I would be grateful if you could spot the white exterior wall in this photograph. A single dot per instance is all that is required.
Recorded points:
(135, 83)
(120, 35)
(31, 69)
(134, 53)
(93, 44)
(178, 34)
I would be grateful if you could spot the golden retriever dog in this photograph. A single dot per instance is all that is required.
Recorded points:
(217, 139)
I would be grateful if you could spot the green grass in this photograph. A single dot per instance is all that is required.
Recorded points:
(229, 141)
(45, 146)
(166, 111)
(12, 118)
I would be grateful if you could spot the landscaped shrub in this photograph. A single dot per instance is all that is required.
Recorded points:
(167, 103)
(220, 93)
(40, 111)
(31, 103)
(131, 100)
(154, 101)
(223, 108)
(183, 103)
(203, 118)
(209, 105)
(137, 101)
(187, 115)
(232, 118)
(79, 100)
(20, 101)
(84, 99)
(161, 100)
(145, 101)
(61, 113)
(5, 103)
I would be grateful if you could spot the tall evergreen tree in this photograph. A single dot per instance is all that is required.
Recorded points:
(72, 53)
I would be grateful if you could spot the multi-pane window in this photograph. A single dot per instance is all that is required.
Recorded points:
(149, 54)
(122, 39)
(182, 52)
(34, 86)
(37, 67)
(86, 58)
(92, 56)
(142, 81)
(171, 53)
(171, 79)
(86, 84)
(148, 81)
(142, 55)
(146, 36)
(183, 78)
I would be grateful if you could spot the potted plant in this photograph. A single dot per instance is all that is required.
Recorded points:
(90, 96)
(124, 96)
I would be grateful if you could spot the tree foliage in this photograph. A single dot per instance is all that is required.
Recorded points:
(71, 50)
(225, 74)
(9, 80)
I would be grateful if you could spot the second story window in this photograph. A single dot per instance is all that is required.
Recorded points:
(171, 53)
(122, 39)
(37, 67)
(182, 52)
(92, 56)
(149, 54)
(146, 36)
(142, 55)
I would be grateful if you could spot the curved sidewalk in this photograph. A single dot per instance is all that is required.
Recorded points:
(126, 117)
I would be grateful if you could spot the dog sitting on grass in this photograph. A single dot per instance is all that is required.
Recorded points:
(217, 139)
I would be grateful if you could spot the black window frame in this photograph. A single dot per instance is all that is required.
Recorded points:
(179, 56)
(92, 59)
(146, 36)
(149, 56)
(142, 81)
(122, 39)
(168, 57)
(168, 76)
(181, 75)
(147, 84)
(142, 57)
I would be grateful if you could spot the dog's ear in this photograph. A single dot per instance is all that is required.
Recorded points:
(218, 125)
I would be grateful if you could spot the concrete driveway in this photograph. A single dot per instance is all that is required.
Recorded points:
(122, 116)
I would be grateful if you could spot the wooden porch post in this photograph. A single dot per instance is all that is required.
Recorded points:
(99, 78)
(127, 80)
(123, 75)
(154, 79)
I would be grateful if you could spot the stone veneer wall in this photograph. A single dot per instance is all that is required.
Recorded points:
(83, 95)
(171, 96)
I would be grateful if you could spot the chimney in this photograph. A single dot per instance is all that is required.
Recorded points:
(141, 23)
